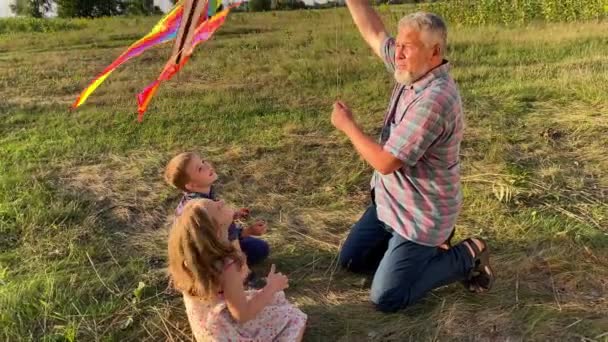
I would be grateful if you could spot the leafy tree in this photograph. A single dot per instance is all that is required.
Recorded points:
(32, 8)
(259, 5)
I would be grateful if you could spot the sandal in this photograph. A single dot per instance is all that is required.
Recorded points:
(481, 278)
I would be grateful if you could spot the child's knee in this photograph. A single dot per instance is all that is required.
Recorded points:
(255, 249)
(264, 249)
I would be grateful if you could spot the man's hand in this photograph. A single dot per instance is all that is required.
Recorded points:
(373, 153)
(342, 117)
(256, 229)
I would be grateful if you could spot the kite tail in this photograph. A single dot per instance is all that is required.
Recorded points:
(143, 99)
(162, 32)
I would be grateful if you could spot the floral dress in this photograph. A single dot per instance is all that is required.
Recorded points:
(211, 320)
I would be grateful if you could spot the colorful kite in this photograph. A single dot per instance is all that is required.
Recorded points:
(178, 59)
(191, 21)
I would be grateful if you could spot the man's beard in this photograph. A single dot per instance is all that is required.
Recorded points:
(406, 77)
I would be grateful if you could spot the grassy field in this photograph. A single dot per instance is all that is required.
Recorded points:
(84, 212)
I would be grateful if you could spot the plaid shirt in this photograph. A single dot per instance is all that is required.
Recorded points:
(423, 127)
(234, 231)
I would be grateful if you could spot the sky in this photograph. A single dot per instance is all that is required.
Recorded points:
(5, 10)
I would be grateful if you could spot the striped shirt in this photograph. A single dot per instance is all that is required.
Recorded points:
(423, 128)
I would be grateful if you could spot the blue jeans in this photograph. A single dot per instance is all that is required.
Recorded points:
(404, 271)
(255, 249)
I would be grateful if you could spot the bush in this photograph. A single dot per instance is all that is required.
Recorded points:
(11, 25)
(259, 5)
(95, 8)
(480, 12)
(289, 4)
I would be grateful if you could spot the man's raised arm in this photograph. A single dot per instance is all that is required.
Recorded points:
(368, 22)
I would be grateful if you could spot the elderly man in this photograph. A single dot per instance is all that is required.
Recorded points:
(404, 234)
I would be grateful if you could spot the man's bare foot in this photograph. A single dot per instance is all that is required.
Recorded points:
(448, 243)
(444, 246)
(480, 246)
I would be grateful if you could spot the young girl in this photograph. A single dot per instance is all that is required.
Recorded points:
(209, 272)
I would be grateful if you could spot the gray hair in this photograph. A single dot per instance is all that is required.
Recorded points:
(430, 25)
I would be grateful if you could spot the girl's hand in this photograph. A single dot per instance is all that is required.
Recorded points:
(256, 229)
(276, 282)
(242, 213)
